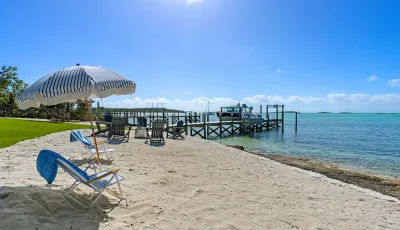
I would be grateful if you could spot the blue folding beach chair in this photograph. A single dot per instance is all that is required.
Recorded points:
(76, 135)
(47, 165)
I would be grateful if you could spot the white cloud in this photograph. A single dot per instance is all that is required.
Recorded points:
(394, 82)
(263, 99)
(386, 98)
(278, 70)
(193, 1)
(363, 98)
(335, 97)
(372, 78)
(295, 98)
(196, 104)
(334, 102)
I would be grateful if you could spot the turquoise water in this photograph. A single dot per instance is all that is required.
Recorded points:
(363, 142)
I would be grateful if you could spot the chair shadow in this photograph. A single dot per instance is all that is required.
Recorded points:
(110, 141)
(51, 208)
(98, 135)
(176, 139)
(102, 161)
(157, 144)
(116, 141)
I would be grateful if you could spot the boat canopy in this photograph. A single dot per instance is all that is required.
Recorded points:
(231, 109)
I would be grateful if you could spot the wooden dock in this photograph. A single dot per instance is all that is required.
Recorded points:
(199, 124)
(227, 128)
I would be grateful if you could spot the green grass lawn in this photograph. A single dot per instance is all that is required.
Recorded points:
(14, 130)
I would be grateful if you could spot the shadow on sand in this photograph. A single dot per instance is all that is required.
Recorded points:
(32, 207)
(84, 160)
(116, 141)
(156, 144)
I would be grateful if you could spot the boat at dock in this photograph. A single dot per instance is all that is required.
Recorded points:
(230, 113)
(239, 113)
(252, 118)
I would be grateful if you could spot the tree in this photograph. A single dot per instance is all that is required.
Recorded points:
(10, 85)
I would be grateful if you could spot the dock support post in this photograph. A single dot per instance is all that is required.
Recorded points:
(261, 117)
(220, 125)
(295, 127)
(232, 124)
(204, 126)
(267, 117)
(283, 120)
(186, 125)
(277, 120)
(167, 127)
(208, 128)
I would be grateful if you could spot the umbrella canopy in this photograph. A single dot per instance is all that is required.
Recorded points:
(75, 83)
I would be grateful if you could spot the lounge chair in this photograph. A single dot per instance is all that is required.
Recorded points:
(48, 161)
(155, 133)
(142, 122)
(99, 128)
(118, 128)
(108, 118)
(177, 130)
(101, 145)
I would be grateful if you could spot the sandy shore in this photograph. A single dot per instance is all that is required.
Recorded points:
(384, 184)
(186, 184)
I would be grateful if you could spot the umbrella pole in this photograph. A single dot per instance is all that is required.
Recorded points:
(94, 133)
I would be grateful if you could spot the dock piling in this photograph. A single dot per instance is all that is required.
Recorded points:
(283, 119)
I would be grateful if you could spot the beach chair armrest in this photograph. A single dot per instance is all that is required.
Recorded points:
(103, 176)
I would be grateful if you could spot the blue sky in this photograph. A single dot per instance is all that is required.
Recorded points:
(311, 55)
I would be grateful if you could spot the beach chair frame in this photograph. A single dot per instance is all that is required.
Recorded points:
(102, 146)
(176, 131)
(118, 128)
(98, 181)
(156, 132)
(99, 129)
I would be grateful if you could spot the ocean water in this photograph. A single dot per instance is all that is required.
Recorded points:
(363, 142)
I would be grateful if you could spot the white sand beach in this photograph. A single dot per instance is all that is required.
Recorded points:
(186, 184)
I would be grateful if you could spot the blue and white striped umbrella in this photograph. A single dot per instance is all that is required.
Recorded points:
(75, 83)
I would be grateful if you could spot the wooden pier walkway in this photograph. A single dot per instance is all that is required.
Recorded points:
(199, 124)
(227, 128)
